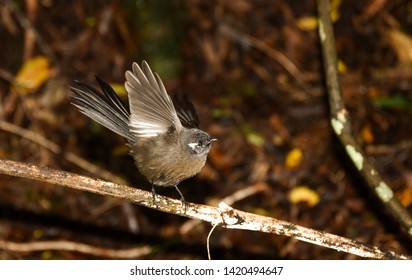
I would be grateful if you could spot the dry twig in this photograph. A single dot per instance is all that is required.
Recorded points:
(29, 247)
(228, 217)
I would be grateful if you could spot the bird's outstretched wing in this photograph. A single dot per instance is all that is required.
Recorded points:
(152, 110)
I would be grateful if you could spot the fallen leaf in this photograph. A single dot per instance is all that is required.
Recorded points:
(304, 194)
(294, 158)
(405, 197)
(401, 44)
(367, 134)
(311, 23)
(307, 23)
(32, 75)
(342, 67)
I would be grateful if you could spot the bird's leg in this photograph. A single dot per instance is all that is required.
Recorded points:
(182, 199)
(154, 196)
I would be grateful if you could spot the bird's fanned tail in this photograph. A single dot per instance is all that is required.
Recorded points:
(106, 108)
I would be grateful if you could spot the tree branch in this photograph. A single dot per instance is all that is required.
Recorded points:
(224, 215)
(342, 126)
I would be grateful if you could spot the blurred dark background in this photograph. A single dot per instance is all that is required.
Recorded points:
(254, 71)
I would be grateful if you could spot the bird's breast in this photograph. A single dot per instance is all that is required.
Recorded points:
(165, 163)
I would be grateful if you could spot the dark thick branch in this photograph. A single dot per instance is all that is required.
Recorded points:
(342, 126)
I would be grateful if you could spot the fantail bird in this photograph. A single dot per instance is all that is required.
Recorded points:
(163, 134)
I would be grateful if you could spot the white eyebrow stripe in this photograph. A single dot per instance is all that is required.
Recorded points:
(192, 145)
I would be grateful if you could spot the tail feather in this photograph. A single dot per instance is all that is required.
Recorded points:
(106, 108)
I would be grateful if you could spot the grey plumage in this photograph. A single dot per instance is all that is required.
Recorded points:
(152, 109)
(162, 133)
(106, 108)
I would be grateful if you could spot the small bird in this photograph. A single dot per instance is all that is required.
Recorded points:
(163, 134)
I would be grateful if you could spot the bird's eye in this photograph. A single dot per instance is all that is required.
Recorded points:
(200, 143)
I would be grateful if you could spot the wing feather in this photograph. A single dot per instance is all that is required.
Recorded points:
(152, 110)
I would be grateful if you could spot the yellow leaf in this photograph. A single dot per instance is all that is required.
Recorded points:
(401, 44)
(32, 75)
(119, 89)
(46, 255)
(341, 67)
(304, 194)
(38, 233)
(334, 10)
(307, 23)
(311, 23)
(294, 158)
